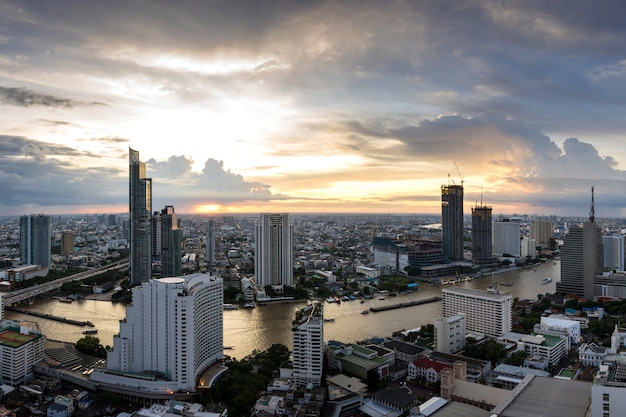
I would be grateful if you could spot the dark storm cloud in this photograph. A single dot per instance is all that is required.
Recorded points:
(23, 97)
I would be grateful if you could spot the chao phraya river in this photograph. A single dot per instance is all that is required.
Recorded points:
(260, 327)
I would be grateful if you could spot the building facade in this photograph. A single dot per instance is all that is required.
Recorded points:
(273, 257)
(20, 349)
(613, 252)
(171, 238)
(450, 334)
(506, 239)
(67, 243)
(582, 258)
(173, 331)
(140, 220)
(35, 244)
(452, 221)
(541, 231)
(482, 244)
(308, 345)
(485, 313)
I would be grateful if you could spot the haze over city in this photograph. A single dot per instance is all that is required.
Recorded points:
(316, 106)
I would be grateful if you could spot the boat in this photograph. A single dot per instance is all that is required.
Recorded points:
(231, 307)
(329, 320)
(362, 301)
(65, 300)
(365, 312)
(249, 305)
(546, 281)
(381, 298)
(90, 331)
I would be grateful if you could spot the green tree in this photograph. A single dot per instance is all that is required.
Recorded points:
(90, 345)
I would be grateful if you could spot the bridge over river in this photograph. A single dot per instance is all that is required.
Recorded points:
(29, 293)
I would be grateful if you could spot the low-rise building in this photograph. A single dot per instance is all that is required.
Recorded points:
(509, 376)
(425, 369)
(591, 354)
(550, 347)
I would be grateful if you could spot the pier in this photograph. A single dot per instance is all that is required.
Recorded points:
(50, 317)
(408, 304)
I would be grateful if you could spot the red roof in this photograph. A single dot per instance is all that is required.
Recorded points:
(426, 363)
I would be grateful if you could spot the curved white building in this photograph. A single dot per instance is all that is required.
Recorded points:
(173, 332)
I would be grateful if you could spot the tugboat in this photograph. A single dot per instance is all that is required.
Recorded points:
(90, 331)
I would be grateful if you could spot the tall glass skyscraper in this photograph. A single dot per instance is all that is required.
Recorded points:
(35, 246)
(273, 257)
(140, 209)
(210, 244)
(452, 221)
(170, 243)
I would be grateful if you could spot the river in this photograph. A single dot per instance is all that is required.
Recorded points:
(259, 328)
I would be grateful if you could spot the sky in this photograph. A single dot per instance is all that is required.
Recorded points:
(314, 106)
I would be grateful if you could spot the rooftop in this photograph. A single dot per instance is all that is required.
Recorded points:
(476, 293)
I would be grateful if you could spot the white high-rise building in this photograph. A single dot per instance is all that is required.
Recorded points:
(273, 257)
(450, 334)
(485, 312)
(173, 331)
(529, 247)
(613, 252)
(506, 239)
(308, 345)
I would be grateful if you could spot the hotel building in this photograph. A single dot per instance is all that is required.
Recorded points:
(485, 313)
(172, 333)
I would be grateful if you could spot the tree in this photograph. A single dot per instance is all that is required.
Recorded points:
(90, 345)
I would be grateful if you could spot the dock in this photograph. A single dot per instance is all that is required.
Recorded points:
(50, 317)
(408, 304)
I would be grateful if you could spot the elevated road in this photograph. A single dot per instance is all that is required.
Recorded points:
(31, 292)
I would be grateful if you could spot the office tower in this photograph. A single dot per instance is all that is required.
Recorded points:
(273, 257)
(308, 345)
(21, 347)
(173, 332)
(450, 334)
(210, 244)
(613, 252)
(140, 209)
(481, 235)
(541, 231)
(452, 221)
(506, 239)
(582, 258)
(35, 246)
(170, 243)
(67, 243)
(485, 312)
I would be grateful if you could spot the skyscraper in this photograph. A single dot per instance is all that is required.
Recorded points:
(452, 221)
(170, 243)
(273, 257)
(140, 209)
(67, 243)
(507, 238)
(541, 231)
(582, 258)
(613, 252)
(210, 244)
(308, 345)
(173, 332)
(481, 235)
(35, 246)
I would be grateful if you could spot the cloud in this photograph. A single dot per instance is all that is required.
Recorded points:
(24, 97)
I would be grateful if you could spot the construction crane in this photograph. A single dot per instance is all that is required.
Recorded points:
(458, 172)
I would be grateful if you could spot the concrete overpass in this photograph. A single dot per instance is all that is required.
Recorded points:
(17, 296)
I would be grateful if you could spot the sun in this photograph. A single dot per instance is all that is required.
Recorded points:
(208, 208)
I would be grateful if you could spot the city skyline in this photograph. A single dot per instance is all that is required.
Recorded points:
(317, 106)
